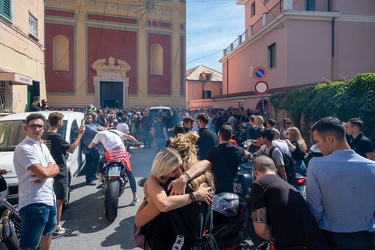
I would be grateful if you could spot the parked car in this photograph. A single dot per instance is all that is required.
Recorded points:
(12, 133)
(153, 111)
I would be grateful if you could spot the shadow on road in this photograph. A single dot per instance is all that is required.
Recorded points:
(81, 221)
(126, 226)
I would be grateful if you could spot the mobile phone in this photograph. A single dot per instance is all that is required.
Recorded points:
(83, 122)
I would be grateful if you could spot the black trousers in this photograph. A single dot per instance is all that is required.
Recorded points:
(363, 240)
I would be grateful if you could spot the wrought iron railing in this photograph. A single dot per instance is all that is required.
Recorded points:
(272, 14)
(7, 100)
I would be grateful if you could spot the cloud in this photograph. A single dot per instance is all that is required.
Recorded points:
(211, 27)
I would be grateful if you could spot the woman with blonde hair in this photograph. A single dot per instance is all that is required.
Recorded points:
(297, 146)
(189, 215)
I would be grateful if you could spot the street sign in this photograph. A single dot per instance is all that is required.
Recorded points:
(261, 88)
(260, 73)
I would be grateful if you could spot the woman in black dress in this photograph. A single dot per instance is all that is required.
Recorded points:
(191, 223)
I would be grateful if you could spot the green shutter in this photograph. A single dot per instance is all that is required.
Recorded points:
(5, 8)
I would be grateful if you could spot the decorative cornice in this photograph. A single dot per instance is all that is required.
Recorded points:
(102, 67)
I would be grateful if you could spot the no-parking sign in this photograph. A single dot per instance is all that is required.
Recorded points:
(260, 73)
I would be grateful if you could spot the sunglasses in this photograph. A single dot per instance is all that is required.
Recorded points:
(34, 126)
(288, 123)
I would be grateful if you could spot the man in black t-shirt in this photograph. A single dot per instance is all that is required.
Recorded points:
(279, 212)
(35, 105)
(207, 139)
(357, 141)
(59, 149)
(225, 160)
(146, 125)
(159, 130)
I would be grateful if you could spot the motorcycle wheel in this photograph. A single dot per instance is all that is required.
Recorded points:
(12, 242)
(111, 195)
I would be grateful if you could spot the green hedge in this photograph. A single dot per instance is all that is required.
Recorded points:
(350, 98)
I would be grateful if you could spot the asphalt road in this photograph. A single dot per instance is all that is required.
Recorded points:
(85, 214)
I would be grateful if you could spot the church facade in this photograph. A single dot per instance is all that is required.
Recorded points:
(115, 53)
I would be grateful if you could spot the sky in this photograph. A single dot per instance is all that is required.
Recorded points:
(212, 25)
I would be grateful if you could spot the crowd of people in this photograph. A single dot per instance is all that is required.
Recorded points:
(197, 159)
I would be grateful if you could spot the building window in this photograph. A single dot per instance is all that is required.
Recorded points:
(310, 5)
(206, 94)
(272, 56)
(252, 10)
(156, 60)
(5, 8)
(33, 25)
(60, 53)
(206, 76)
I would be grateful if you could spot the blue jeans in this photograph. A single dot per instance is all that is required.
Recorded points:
(160, 142)
(37, 219)
(90, 167)
(301, 168)
(131, 178)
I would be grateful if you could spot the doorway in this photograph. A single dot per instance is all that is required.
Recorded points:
(111, 94)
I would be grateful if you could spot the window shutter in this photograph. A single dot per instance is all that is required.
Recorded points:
(5, 8)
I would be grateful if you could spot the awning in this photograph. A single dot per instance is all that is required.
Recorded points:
(15, 78)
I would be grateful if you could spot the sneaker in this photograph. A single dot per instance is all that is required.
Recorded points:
(90, 183)
(134, 202)
(60, 231)
(100, 185)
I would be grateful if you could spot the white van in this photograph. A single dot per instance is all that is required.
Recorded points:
(153, 111)
(12, 133)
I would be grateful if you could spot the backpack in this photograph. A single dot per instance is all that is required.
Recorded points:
(289, 166)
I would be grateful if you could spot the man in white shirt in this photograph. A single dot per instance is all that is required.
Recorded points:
(116, 151)
(35, 170)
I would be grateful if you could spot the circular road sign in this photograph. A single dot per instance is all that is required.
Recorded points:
(261, 88)
(260, 73)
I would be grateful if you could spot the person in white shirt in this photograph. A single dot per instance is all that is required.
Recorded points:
(35, 168)
(116, 151)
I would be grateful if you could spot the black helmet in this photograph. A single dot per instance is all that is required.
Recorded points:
(229, 214)
(91, 109)
(3, 189)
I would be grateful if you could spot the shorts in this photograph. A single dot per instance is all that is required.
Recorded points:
(37, 219)
(60, 186)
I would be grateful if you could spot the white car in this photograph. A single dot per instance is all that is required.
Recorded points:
(12, 133)
(154, 111)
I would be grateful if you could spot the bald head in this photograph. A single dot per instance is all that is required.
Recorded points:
(263, 163)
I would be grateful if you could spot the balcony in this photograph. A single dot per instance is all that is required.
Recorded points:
(273, 13)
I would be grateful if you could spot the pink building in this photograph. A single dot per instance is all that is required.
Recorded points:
(298, 42)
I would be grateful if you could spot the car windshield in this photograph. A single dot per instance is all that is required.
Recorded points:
(154, 113)
(12, 133)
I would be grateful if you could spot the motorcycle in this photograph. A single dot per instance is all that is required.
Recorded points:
(239, 134)
(114, 181)
(10, 222)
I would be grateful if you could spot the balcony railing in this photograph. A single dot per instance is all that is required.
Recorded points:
(273, 13)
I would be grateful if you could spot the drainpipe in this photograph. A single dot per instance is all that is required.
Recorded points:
(227, 76)
(333, 50)
(333, 43)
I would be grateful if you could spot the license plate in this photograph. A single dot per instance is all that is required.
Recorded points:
(114, 171)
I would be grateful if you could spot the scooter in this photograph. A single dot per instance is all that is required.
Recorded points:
(10, 222)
